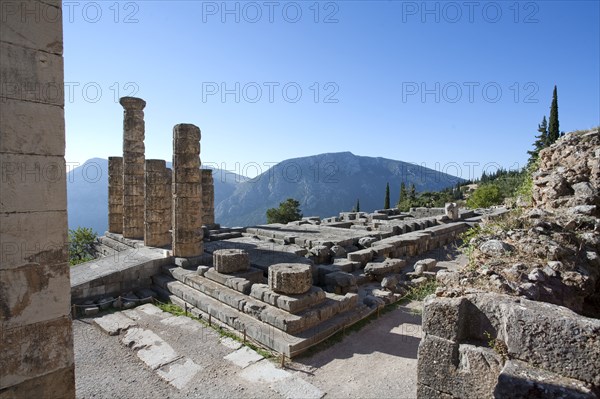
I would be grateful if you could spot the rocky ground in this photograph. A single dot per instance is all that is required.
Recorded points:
(548, 251)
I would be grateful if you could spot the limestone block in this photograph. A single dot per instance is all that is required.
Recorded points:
(30, 128)
(230, 260)
(32, 350)
(290, 278)
(32, 183)
(363, 256)
(31, 75)
(518, 380)
(38, 237)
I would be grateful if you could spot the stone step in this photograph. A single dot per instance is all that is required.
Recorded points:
(113, 244)
(278, 318)
(200, 305)
(129, 242)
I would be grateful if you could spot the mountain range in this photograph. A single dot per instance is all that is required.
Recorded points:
(324, 184)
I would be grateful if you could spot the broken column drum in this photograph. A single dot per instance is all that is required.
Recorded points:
(133, 166)
(115, 195)
(290, 278)
(231, 260)
(157, 204)
(187, 192)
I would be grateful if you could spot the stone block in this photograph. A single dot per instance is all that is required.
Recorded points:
(231, 260)
(518, 380)
(32, 350)
(464, 371)
(29, 127)
(362, 256)
(34, 293)
(379, 269)
(31, 75)
(290, 278)
(32, 183)
(444, 317)
(38, 237)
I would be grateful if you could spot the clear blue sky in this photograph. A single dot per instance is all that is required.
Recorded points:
(431, 83)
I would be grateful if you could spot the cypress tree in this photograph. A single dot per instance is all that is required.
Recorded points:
(402, 197)
(413, 193)
(386, 204)
(541, 142)
(553, 130)
(357, 205)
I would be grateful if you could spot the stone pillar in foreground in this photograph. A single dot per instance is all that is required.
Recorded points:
(157, 205)
(290, 278)
(169, 200)
(208, 198)
(133, 167)
(115, 195)
(187, 192)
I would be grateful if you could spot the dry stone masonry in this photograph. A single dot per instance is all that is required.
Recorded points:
(115, 194)
(133, 166)
(157, 204)
(187, 192)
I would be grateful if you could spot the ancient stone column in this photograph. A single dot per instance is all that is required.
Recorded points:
(158, 196)
(208, 198)
(169, 199)
(133, 167)
(115, 195)
(187, 192)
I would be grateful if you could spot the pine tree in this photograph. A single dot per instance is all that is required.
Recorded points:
(413, 193)
(386, 204)
(553, 130)
(541, 142)
(357, 205)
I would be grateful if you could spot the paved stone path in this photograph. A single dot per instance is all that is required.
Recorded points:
(147, 353)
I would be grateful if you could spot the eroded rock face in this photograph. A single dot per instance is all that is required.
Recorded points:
(569, 173)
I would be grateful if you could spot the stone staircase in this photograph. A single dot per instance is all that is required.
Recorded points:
(287, 324)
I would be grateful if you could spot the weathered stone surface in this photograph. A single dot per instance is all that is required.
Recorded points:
(157, 207)
(231, 260)
(289, 303)
(115, 195)
(133, 166)
(187, 204)
(208, 198)
(114, 323)
(290, 278)
(544, 342)
(379, 269)
(451, 210)
(340, 283)
(494, 247)
(36, 355)
(518, 380)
